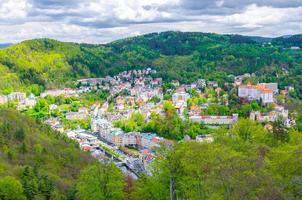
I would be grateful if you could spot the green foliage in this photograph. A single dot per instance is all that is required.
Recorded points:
(241, 163)
(11, 189)
(46, 163)
(102, 182)
(169, 126)
(136, 122)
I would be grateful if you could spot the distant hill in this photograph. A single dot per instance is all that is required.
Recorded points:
(4, 45)
(261, 39)
(31, 149)
(288, 41)
(185, 56)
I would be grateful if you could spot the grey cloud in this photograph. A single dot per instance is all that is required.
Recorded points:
(188, 15)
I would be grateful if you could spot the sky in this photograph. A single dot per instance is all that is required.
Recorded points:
(102, 21)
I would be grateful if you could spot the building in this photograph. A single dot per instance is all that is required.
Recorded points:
(76, 116)
(100, 124)
(204, 138)
(216, 120)
(131, 139)
(58, 92)
(271, 86)
(201, 83)
(179, 100)
(3, 99)
(150, 141)
(212, 84)
(258, 92)
(278, 113)
(16, 96)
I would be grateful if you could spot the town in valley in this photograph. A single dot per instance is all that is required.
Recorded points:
(110, 117)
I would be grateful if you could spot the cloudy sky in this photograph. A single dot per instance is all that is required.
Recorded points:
(101, 21)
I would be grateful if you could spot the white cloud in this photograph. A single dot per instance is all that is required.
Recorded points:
(12, 11)
(99, 21)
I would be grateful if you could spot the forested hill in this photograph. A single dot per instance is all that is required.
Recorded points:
(47, 163)
(184, 56)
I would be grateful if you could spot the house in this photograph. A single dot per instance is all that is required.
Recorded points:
(149, 140)
(204, 138)
(201, 83)
(295, 48)
(16, 96)
(120, 103)
(157, 81)
(175, 83)
(272, 116)
(100, 124)
(83, 110)
(52, 107)
(271, 86)
(3, 99)
(57, 92)
(179, 100)
(131, 139)
(258, 92)
(76, 116)
(212, 84)
(52, 121)
(216, 120)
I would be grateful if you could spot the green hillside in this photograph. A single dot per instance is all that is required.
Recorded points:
(45, 162)
(176, 55)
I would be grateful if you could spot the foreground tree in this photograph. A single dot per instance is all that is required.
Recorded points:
(11, 189)
(101, 182)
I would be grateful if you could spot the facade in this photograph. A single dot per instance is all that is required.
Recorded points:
(216, 120)
(3, 99)
(16, 96)
(76, 116)
(274, 115)
(149, 140)
(204, 138)
(58, 92)
(179, 100)
(258, 92)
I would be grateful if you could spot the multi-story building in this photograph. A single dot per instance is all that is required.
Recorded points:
(179, 100)
(258, 92)
(149, 140)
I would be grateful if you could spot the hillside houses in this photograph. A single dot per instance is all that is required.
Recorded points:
(278, 113)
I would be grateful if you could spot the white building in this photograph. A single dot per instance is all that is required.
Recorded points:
(204, 138)
(258, 92)
(16, 96)
(179, 100)
(216, 120)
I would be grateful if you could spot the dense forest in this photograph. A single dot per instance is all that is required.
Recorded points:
(35, 160)
(45, 63)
